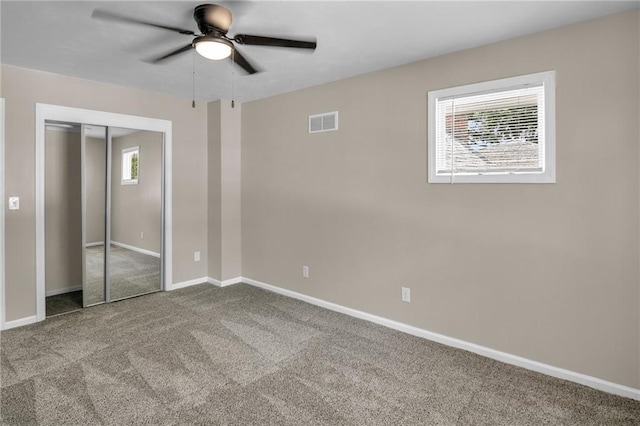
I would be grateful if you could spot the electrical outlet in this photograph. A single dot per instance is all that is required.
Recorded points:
(305, 271)
(142, 235)
(196, 256)
(406, 294)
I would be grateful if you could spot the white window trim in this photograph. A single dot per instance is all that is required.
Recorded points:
(124, 181)
(548, 175)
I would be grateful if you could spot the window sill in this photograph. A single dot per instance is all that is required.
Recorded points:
(547, 177)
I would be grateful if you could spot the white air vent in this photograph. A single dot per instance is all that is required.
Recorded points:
(323, 122)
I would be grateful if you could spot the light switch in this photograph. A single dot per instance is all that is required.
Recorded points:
(14, 203)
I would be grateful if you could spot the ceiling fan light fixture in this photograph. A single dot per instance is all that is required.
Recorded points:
(214, 48)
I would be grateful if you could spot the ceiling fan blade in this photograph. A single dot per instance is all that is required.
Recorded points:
(110, 16)
(242, 61)
(254, 40)
(171, 54)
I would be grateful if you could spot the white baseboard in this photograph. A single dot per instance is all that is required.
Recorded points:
(215, 282)
(231, 281)
(507, 358)
(224, 283)
(188, 283)
(63, 290)
(20, 322)
(208, 280)
(97, 243)
(138, 249)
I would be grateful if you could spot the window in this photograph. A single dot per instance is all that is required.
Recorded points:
(130, 165)
(496, 131)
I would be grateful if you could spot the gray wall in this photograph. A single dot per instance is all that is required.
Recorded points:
(138, 208)
(22, 89)
(225, 239)
(214, 197)
(547, 272)
(63, 211)
(231, 190)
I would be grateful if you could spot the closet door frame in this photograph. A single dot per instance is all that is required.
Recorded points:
(107, 220)
(2, 207)
(46, 112)
(83, 195)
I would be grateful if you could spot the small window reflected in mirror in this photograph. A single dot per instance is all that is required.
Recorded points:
(130, 165)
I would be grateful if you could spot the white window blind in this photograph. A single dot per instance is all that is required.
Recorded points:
(493, 132)
(493, 128)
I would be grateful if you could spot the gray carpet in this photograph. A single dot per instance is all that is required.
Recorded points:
(61, 303)
(132, 273)
(240, 355)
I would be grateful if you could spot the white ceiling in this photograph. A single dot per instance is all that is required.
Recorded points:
(353, 38)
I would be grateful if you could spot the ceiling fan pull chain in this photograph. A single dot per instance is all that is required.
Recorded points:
(233, 75)
(193, 79)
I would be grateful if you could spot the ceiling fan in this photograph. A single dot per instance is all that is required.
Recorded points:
(213, 43)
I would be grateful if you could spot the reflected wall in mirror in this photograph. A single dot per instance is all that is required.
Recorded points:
(63, 218)
(136, 213)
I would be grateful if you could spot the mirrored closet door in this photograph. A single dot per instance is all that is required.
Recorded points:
(94, 195)
(135, 207)
(104, 215)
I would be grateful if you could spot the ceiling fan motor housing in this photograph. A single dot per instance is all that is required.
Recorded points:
(212, 19)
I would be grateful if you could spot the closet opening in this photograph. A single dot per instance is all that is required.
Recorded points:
(103, 197)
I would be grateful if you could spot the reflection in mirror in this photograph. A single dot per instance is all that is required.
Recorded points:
(63, 218)
(136, 213)
(95, 178)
